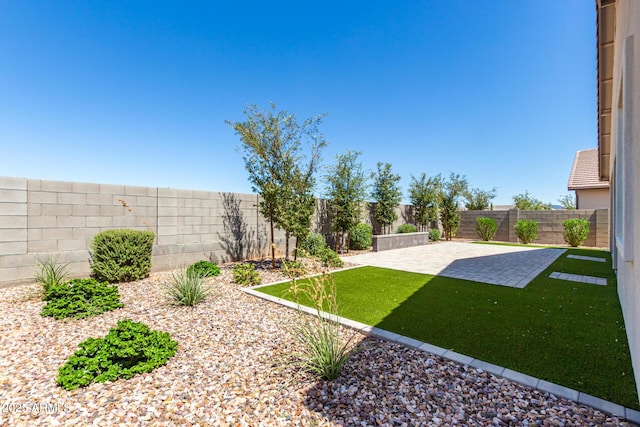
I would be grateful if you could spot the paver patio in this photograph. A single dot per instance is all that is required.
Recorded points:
(513, 266)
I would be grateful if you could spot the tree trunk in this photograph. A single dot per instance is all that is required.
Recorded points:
(273, 243)
(286, 245)
(337, 240)
(348, 241)
(295, 250)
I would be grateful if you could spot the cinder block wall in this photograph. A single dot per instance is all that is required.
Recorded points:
(39, 217)
(550, 227)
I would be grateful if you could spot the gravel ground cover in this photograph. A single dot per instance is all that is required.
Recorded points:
(233, 367)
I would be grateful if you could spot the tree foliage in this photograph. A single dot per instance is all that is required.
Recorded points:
(345, 190)
(452, 190)
(479, 200)
(568, 201)
(424, 196)
(387, 195)
(526, 202)
(278, 168)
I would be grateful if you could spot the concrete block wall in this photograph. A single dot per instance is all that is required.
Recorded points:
(550, 227)
(39, 217)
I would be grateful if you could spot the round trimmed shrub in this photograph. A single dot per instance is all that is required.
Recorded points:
(526, 230)
(575, 231)
(434, 234)
(486, 228)
(361, 237)
(121, 255)
(407, 228)
(204, 269)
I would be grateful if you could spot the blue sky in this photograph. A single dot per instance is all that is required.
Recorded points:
(138, 92)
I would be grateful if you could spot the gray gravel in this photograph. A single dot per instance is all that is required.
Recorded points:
(233, 367)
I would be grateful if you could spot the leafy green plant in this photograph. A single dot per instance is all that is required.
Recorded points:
(313, 244)
(204, 268)
(323, 351)
(575, 231)
(526, 230)
(246, 275)
(128, 349)
(407, 228)
(434, 234)
(187, 287)
(80, 298)
(330, 258)
(121, 255)
(486, 228)
(50, 272)
(361, 237)
(293, 268)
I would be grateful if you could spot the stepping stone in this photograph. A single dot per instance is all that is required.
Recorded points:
(579, 278)
(587, 258)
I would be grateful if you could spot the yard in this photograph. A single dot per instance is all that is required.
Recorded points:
(235, 365)
(564, 332)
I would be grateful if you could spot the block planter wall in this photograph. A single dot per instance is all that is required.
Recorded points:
(385, 242)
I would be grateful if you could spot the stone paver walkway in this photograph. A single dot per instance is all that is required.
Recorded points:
(579, 278)
(513, 266)
(587, 258)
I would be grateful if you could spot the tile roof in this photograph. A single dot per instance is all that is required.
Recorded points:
(584, 173)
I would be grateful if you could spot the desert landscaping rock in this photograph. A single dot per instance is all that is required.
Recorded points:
(234, 367)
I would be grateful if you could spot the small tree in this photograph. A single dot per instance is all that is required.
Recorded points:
(387, 195)
(479, 200)
(452, 191)
(276, 164)
(526, 202)
(424, 196)
(345, 189)
(568, 201)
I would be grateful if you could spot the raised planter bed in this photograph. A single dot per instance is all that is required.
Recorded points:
(386, 242)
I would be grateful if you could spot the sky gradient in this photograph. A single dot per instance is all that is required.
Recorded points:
(137, 93)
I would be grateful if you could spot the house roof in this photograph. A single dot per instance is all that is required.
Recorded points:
(584, 172)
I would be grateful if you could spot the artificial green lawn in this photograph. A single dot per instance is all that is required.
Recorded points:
(564, 332)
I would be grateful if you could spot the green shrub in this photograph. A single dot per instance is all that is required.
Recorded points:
(361, 237)
(526, 230)
(313, 244)
(121, 255)
(246, 275)
(486, 228)
(293, 268)
(575, 231)
(50, 273)
(434, 234)
(329, 258)
(204, 268)
(128, 349)
(80, 298)
(187, 287)
(407, 228)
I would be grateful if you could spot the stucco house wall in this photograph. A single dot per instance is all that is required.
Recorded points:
(624, 165)
(593, 198)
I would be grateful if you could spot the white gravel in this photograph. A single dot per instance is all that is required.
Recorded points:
(233, 367)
